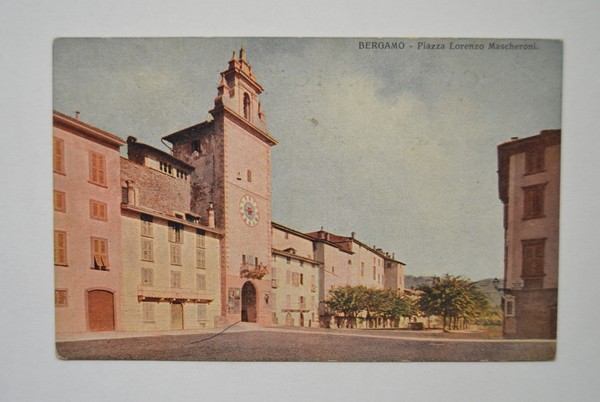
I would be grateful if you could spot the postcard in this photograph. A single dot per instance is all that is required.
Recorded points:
(306, 199)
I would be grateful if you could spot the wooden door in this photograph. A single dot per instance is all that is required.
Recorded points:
(101, 311)
(176, 316)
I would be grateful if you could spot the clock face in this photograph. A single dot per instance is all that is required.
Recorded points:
(249, 210)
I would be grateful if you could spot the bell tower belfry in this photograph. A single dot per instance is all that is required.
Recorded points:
(231, 183)
(238, 91)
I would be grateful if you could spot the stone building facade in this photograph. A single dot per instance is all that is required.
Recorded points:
(529, 187)
(192, 244)
(171, 263)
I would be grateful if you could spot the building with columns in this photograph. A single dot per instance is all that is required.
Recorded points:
(529, 187)
(193, 235)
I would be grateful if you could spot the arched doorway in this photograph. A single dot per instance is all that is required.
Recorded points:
(101, 310)
(248, 302)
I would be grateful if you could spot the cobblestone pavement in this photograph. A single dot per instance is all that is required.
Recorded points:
(251, 343)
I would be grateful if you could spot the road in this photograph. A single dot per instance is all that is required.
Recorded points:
(280, 344)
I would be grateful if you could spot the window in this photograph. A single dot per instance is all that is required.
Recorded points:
(362, 269)
(286, 235)
(249, 176)
(533, 203)
(202, 312)
(295, 279)
(148, 309)
(175, 232)
(301, 301)
(288, 302)
(201, 282)
(200, 258)
(124, 195)
(60, 247)
(349, 262)
(97, 169)
(147, 277)
(247, 106)
(333, 270)
(301, 263)
(533, 262)
(58, 148)
(534, 160)
(175, 279)
(100, 254)
(273, 277)
(98, 210)
(288, 260)
(374, 273)
(60, 201)
(166, 168)
(509, 306)
(181, 174)
(147, 250)
(200, 238)
(288, 277)
(274, 258)
(60, 298)
(196, 146)
(301, 279)
(175, 254)
(146, 225)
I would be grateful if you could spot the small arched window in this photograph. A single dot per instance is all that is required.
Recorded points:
(247, 106)
(249, 176)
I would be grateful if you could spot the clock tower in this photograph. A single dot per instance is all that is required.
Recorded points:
(232, 182)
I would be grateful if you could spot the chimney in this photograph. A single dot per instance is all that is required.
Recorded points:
(211, 215)
(514, 138)
(352, 235)
(77, 114)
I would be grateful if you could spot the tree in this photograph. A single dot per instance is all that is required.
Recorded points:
(377, 305)
(453, 298)
(349, 301)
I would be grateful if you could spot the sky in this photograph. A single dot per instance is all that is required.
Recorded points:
(397, 145)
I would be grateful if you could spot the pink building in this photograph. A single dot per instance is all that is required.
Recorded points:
(87, 226)
(232, 157)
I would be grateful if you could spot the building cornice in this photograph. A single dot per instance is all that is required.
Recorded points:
(251, 128)
(171, 218)
(80, 127)
(295, 256)
(545, 138)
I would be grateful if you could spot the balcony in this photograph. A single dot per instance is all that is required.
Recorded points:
(156, 293)
(298, 307)
(253, 271)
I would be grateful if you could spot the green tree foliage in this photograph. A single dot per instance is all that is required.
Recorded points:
(453, 298)
(376, 306)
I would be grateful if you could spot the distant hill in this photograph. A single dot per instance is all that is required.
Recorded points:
(486, 286)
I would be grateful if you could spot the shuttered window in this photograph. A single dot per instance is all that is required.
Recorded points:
(175, 254)
(60, 247)
(98, 210)
(147, 250)
(147, 277)
(60, 201)
(200, 258)
(58, 148)
(97, 168)
(100, 254)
